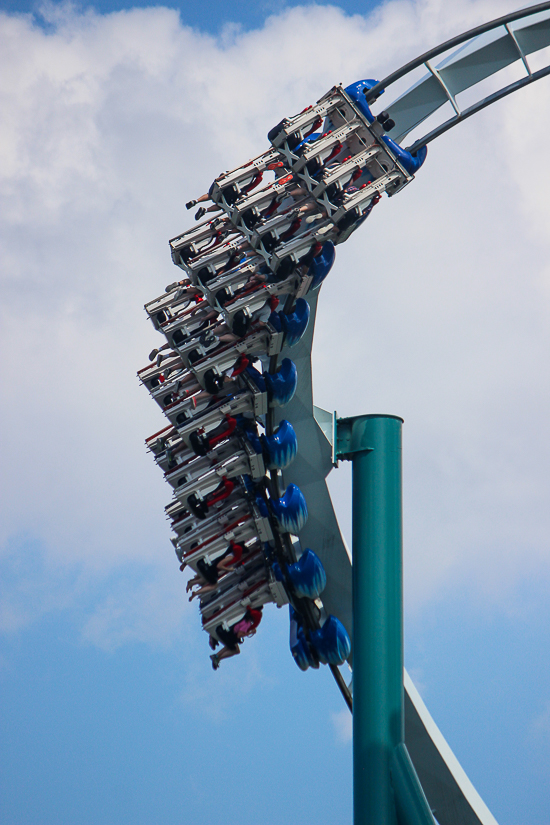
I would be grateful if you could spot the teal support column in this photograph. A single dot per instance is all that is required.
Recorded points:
(373, 443)
(386, 790)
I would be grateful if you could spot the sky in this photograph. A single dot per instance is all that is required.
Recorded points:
(211, 16)
(437, 310)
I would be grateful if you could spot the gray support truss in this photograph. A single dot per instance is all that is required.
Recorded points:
(450, 794)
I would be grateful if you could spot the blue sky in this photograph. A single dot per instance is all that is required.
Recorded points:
(207, 16)
(437, 311)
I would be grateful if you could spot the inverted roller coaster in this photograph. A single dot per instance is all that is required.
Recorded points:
(245, 451)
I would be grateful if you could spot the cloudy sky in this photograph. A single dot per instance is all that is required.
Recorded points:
(438, 310)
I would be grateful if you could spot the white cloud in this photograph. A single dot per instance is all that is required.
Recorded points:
(436, 310)
(343, 726)
(151, 611)
(540, 726)
(213, 695)
(537, 740)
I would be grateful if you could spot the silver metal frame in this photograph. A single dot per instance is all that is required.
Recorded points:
(400, 132)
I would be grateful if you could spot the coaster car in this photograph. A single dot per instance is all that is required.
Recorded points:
(222, 519)
(200, 238)
(281, 385)
(303, 654)
(231, 186)
(300, 251)
(239, 312)
(294, 323)
(290, 510)
(263, 203)
(318, 150)
(187, 420)
(238, 521)
(162, 309)
(330, 644)
(171, 450)
(280, 448)
(231, 586)
(184, 521)
(201, 477)
(224, 257)
(155, 376)
(246, 395)
(234, 477)
(320, 266)
(194, 466)
(307, 575)
(266, 340)
(258, 595)
(241, 533)
(275, 231)
(222, 287)
(329, 188)
(352, 140)
(203, 443)
(290, 132)
(184, 329)
(245, 293)
(410, 162)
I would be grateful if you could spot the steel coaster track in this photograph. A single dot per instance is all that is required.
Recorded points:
(477, 59)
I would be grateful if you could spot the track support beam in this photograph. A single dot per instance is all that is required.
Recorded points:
(386, 789)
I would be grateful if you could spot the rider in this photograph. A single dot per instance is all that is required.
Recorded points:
(208, 575)
(235, 635)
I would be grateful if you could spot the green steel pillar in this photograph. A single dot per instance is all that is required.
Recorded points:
(385, 787)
